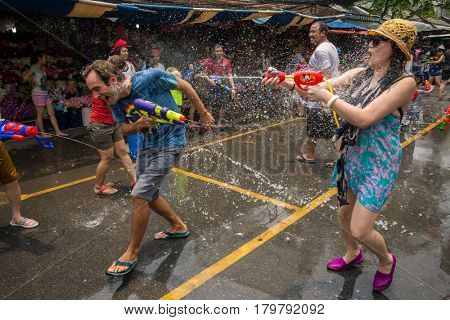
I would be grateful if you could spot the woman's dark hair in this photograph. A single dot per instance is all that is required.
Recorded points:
(35, 55)
(397, 67)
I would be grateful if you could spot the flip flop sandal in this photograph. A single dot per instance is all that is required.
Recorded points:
(170, 235)
(301, 158)
(130, 266)
(105, 190)
(24, 223)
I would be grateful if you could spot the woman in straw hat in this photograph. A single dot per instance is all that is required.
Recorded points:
(372, 103)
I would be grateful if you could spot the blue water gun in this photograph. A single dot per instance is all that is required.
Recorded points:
(219, 82)
(19, 131)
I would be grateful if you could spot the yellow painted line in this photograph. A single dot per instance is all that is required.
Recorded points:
(421, 133)
(62, 186)
(216, 268)
(240, 135)
(198, 280)
(237, 189)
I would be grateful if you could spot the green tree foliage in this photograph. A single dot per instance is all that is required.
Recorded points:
(405, 9)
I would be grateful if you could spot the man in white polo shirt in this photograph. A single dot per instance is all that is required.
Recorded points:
(319, 122)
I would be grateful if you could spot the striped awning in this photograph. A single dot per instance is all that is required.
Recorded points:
(157, 14)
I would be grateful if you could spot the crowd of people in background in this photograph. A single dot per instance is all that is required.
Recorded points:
(431, 63)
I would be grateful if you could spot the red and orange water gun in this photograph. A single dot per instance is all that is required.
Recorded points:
(304, 78)
(301, 78)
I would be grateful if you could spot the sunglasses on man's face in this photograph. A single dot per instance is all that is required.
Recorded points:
(377, 40)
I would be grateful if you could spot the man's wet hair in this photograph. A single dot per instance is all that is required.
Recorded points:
(322, 27)
(104, 69)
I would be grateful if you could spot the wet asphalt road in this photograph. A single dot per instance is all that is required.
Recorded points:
(80, 234)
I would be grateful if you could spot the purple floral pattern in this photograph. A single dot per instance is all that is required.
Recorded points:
(372, 164)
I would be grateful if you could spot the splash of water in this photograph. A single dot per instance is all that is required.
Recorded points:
(259, 175)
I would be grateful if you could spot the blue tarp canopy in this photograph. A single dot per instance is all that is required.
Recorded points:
(156, 14)
(338, 24)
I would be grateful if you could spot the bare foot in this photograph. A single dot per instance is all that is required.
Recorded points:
(107, 189)
(62, 134)
(305, 158)
(46, 136)
(179, 229)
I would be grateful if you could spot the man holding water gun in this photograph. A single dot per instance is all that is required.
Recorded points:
(162, 147)
(319, 122)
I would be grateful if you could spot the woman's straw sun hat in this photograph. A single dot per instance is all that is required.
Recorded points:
(402, 32)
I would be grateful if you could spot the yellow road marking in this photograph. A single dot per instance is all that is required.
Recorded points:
(237, 189)
(240, 135)
(216, 268)
(421, 133)
(199, 279)
(62, 186)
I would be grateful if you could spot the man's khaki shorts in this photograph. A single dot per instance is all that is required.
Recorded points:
(104, 135)
(8, 172)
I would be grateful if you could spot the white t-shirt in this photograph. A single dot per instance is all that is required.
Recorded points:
(159, 66)
(39, 79)
(324, 57)
(130, 69)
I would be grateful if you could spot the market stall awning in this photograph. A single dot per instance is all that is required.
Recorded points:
(158, 14)
(338, 24)
(446, 35)
(424, 27)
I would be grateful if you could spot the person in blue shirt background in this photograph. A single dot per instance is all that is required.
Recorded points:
(162, 147)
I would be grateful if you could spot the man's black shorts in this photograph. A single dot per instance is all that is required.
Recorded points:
(446, 74)
(320, 123)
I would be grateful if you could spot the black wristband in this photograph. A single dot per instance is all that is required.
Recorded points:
(293, 87)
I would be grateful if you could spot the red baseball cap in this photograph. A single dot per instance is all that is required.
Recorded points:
(120, 44)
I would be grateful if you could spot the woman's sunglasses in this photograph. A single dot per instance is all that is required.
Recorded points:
(377, 40)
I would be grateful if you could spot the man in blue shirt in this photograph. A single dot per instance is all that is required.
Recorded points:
(162, 147)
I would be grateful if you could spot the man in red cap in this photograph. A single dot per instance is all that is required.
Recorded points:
(121, 48)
